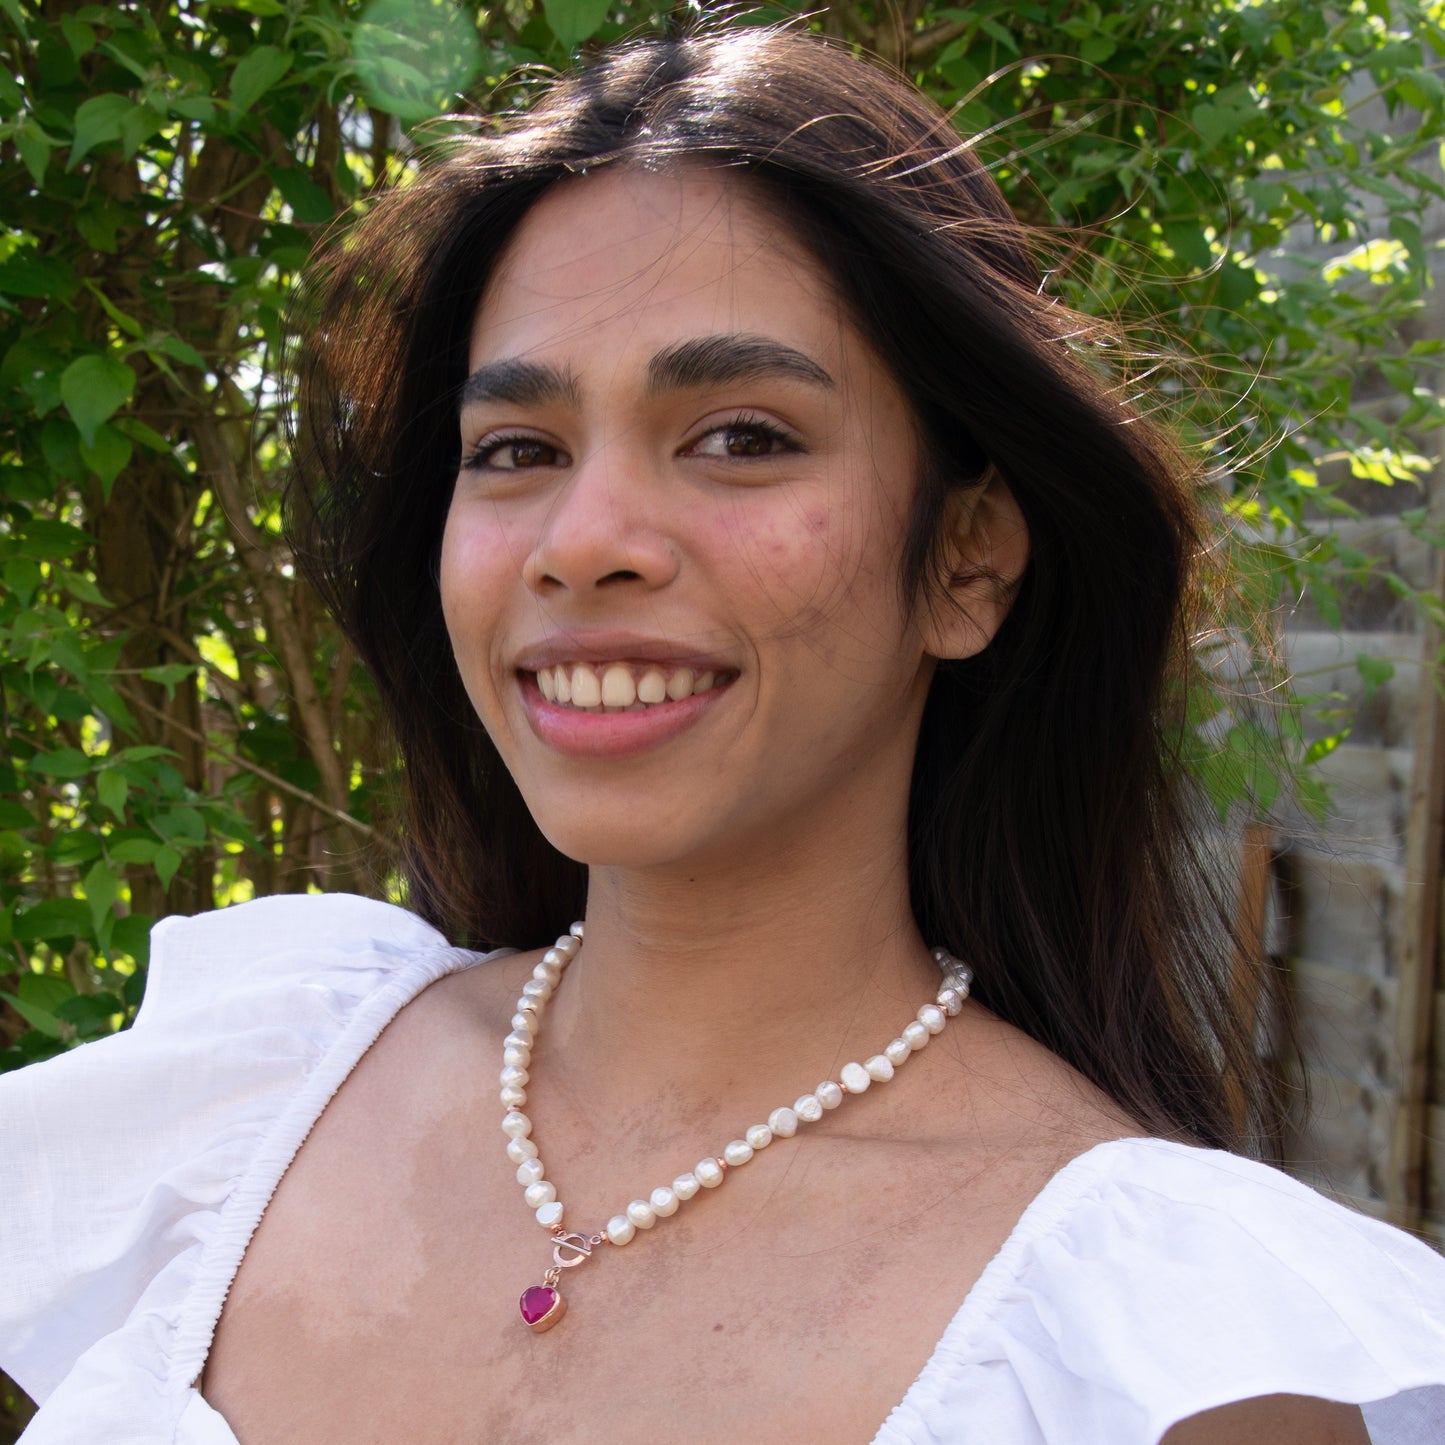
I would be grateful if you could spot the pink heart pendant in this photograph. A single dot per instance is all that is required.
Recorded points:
(542, 1306)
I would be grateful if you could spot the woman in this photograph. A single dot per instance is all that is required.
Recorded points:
(751, 558)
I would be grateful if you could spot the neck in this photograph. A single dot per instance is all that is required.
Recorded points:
(720, 991)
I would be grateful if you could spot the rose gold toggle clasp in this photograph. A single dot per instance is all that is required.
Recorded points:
(570, 1250)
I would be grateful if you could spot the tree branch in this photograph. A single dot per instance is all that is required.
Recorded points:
(219, 466)
(237, 760)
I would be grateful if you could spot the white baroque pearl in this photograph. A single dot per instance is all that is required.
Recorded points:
(549, 1215)
(515, 1124)
(520, 1149)
(880, 1068)
(519, 1039)
(932, 1018)
(709, 1173)
(783, 1123)
(829, 1094)
(807, 1108)
(855, 1078)
(950, 1001)
(514, 1075)
(537, 988)
(513, 1096)
(916, 1035)
(547, 973)
(620, 1229)
(524, 1023)
(529, 1171)
(516, 1056)
(898, 1051)
(576, 930)
(759, 1136)
(642, 1214)
(686, 1185)
(558, 957)
(663, 1201)
(540, 1193)
(738, 1152)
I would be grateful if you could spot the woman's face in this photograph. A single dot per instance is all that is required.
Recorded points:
(670, 567)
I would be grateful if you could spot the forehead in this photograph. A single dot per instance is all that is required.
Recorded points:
(624, 258)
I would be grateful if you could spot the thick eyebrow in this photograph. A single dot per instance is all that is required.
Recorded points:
(523, 383)
(714, 360)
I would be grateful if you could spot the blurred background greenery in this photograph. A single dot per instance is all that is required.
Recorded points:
(1243, 184)
(181, 729)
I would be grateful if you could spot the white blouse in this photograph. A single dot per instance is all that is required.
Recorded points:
(1148, 1281)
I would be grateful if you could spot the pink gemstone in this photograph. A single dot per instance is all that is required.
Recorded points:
(538, 1302)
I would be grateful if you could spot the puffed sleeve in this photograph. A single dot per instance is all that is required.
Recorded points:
(133, 1169)
(1156, 1281)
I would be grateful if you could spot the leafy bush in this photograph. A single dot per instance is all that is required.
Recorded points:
(182, 729)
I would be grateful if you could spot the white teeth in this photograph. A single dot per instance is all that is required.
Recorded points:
(618, 689)
(586, 690)
(614, 687)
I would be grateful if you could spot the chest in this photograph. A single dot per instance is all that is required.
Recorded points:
(378, 1300)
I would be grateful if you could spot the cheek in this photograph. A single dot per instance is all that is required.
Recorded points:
(478, 571)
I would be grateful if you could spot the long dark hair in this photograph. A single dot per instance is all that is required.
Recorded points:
(1049, 826)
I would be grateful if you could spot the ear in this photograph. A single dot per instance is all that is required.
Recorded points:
(982, 555)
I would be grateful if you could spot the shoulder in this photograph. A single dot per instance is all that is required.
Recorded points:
(133, 1166)
(1151, 1282)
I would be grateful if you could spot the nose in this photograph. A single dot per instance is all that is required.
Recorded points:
(605, 530)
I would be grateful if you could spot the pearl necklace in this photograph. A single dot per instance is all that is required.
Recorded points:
(542, 1304)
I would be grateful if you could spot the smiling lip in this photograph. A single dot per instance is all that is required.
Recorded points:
(602, 733)
(633, 692)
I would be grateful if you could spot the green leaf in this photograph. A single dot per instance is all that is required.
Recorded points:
(23, 578)
(309, 203)
(52, 541)
(25, 274)
(78, 35)
(39, 1019)
(183, 823)
(179, 350)
(102, 888)
(107, 457)
(62, 763)
(170, 674)
(93, 389)
(91, 1013)
(573, 21)
(127, 323)
(97, 121)
(112, 787)
(45, 990)
(255, 73)
(53, 918)
(1376, 672)
(167, 861)
(34, 147)
(134, 850)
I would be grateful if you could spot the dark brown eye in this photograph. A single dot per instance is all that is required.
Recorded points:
(744, 440)
(526, 452)
(748, 441)
(515, 454)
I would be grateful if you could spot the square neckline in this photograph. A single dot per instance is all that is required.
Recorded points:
(244, 1208)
